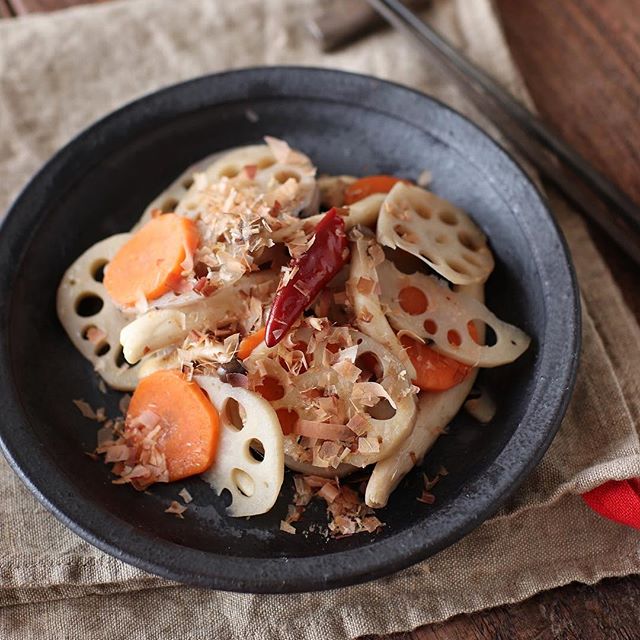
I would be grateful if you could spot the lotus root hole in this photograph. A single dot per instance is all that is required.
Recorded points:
(233, 414)
(187, 183)
(448, 217)
(430, 326)
(370, 365)
(458, 267)
(256, 450)
(454, 338)
(413, 301)
(468, 241)
(441, 239)
(382, 410)
(243, 481)
(473, 328)
(265, 163)
(102, 349)
(423, 211)
(97, 270)
(86, 330)
(405, 234)
(229, 171)
(270, 389)
(120, 359)
(491, 337)
(227, 498)
(89, 305)
(471, 259)
(169, 205)
(283, 176)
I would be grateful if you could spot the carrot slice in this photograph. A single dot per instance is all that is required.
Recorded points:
(366, 186)
(150, 263)
(250, 342)
(189, 422)
(435, 372)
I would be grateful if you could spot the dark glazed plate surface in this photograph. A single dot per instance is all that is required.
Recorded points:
(99, 184)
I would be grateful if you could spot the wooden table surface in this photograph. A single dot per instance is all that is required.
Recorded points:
(581, 62)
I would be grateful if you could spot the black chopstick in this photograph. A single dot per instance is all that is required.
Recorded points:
(603, 202)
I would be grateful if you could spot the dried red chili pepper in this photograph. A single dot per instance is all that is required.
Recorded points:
(312, 271)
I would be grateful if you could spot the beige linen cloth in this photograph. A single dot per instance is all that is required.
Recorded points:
(60, 72)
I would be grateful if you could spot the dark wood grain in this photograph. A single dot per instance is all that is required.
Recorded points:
(581, 62)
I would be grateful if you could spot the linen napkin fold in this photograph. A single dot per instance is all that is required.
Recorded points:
(58, 73)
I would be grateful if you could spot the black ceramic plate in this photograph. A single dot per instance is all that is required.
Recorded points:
(99, 184)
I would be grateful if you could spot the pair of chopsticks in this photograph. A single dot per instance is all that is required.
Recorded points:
(597, 197)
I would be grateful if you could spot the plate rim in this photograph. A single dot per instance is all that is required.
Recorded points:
(296, 574)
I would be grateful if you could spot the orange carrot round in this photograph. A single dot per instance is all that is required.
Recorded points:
(189, 422)
(250, 342)
(149, 264)
(367, 186)
(434, 371)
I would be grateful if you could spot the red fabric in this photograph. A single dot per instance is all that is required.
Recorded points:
(617, 500)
